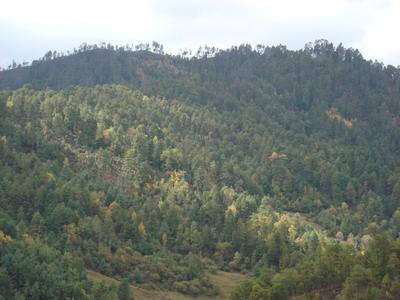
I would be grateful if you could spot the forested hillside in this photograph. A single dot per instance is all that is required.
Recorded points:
(158, 170)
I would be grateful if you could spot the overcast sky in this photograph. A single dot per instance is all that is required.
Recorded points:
(29, 28)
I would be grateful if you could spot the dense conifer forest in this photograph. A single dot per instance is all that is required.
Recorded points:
(160, 170)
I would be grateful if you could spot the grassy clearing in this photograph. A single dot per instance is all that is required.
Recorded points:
(226, 281)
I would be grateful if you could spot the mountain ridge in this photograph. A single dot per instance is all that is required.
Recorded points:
(158, 170)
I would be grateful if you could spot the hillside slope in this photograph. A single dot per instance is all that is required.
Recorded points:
(243, 160)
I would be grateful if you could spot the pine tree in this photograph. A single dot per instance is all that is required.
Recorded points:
(124, 291)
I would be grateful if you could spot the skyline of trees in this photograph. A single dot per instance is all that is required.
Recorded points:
(160, 170)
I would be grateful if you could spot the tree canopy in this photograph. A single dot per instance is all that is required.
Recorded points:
(158, 170)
